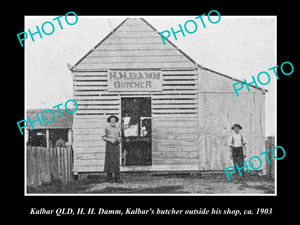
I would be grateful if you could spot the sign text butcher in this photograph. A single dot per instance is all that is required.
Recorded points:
(133, 80)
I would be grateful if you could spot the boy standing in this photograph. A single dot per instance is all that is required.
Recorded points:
(237, 148)
(112, 137)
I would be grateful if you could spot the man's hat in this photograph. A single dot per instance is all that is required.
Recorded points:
(108, 119)
(236, 125)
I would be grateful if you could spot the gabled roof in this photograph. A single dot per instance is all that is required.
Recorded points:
(131, 45)
(133, 35)
(58, 123)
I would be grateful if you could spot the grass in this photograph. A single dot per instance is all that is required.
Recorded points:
(58, 187)
(151, 190)
(160, 183)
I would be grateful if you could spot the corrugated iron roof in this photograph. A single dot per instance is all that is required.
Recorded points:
(59, 122)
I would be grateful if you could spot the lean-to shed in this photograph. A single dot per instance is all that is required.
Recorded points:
(175, 114)
(49, 133)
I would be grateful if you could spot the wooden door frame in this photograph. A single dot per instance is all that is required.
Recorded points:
(134, 168)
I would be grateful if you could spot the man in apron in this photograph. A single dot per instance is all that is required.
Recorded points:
(112, 137)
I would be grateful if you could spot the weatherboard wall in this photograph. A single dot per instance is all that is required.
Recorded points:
(134, 45)
(174, 120)
(191, 116)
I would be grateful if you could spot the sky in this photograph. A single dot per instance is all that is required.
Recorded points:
(238, 46)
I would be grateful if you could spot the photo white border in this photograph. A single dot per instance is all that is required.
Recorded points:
(164, 194)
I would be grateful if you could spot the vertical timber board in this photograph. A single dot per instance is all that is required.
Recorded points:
(70, 136)
(219, 112)
(47, 162)
(35, 166)
(47, 138)
(58, 162)
(39, 165)
(63, 162)
(29, 166)
(270, 144)
(51, 167)
(66, 164)
(43, 162)
(70, 162)
(55, 163)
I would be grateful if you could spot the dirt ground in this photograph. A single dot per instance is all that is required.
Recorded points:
(143, 183)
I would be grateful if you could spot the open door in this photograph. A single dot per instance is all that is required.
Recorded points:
(136, 131)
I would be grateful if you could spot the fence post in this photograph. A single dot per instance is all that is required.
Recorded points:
(47, 165)
(43, 164)
(70, 160)
(64, 164)
(52, 163)
(34, 166)
(273, 159)
(68, 163)
(270, 144)
(29, 166)
(58, 162)
(39, 165)
(55, 163)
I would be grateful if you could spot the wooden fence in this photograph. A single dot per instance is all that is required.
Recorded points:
(270, 144)
(45, 165)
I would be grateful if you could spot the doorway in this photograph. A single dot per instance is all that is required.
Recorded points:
(136, 131)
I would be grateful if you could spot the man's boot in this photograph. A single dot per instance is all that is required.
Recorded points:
(109, 178)
(117, 178)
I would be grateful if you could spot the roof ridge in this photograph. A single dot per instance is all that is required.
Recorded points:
(107, 36)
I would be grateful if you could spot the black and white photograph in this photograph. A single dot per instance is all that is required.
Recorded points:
(150, 114)
(128, 115)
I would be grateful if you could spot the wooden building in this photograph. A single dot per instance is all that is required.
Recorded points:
(189, 109)
(48, 134)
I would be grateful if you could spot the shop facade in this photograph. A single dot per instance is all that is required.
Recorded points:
(175, 114)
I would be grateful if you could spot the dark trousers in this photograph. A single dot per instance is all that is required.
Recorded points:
(238, 158)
